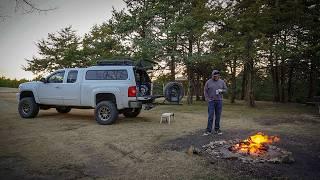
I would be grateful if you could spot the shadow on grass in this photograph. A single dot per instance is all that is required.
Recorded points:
(87, 117)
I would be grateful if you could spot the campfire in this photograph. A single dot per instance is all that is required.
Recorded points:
(255, 145)
(257, 148)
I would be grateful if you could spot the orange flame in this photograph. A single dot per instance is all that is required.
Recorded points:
(255, 144)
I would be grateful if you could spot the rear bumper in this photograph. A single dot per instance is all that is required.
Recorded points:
(135, 104)
(146, 99)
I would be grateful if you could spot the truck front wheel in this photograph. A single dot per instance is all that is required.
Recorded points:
(106, 113)
(28, 108)
(132, 112)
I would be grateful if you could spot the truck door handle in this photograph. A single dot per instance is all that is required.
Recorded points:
(58, 87)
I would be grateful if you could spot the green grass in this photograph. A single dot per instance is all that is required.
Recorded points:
(239, 116)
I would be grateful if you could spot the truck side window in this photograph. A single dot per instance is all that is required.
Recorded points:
(107, 75)
(72, 76)
(56, 77)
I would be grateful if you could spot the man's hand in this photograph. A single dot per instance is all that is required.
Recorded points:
(219, 91)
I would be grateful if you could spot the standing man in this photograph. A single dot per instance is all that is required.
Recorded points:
(213, 90)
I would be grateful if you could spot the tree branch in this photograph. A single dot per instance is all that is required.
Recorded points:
(28, 7)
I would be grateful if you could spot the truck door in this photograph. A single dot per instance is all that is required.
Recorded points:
(51, 92)
(71, 89)
(143, 83)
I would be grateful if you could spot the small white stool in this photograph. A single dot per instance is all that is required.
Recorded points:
(167, 116)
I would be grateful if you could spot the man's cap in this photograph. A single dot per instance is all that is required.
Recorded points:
(215, 73)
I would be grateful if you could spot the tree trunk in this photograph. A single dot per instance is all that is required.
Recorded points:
(276, 82)
(312, 80)
(190, 72)
(290, 81)
(273, 76)
(244, 83)
(173, 60)
(282, 70)
(190, 86)
(233, 80)
(172, 69)
(197, 89)
(249, 88)
(250, 75)
(197, 83)
(204, 80)
(282, 81)
(273, 72)
(275, 66)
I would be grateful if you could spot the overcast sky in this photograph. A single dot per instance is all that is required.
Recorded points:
(19, 32)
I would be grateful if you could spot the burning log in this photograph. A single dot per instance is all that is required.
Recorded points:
(255, 145)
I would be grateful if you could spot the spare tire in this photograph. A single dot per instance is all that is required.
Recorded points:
(173, 92)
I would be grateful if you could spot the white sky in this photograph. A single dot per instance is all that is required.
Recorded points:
(19, 32)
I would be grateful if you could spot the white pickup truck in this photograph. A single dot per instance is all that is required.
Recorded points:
(110, 88)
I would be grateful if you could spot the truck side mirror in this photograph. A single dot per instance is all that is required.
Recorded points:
(43, 80)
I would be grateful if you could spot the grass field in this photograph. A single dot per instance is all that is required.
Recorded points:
(74, 146)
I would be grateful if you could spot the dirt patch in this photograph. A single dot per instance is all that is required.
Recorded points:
(125, 153)
(296, 119)
(196, 139)
(16, 167)
(69, 127)
(97, 167)
(12, 166)
(67, 171)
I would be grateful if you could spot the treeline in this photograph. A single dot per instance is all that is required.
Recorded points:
(265, 49)
(13, 83)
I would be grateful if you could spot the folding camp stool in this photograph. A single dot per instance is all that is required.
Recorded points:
(167, 116)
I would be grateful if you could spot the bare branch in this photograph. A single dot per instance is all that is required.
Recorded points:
(28, 7)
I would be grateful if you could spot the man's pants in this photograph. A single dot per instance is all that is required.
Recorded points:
(214, 109)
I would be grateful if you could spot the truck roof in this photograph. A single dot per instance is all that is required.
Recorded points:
(97, 67)
(124, 62)
(108, 64)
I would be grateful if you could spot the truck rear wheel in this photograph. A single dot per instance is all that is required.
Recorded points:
(63, 109)
(106, 113)
(28, 108)
(132, 112)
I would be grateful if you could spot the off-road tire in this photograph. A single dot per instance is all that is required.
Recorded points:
(28, 108)
(132, 112)
(106, 113)
(63, 109)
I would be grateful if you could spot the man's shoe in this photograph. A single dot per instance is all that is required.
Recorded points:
(206, 133)
(219, 132)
